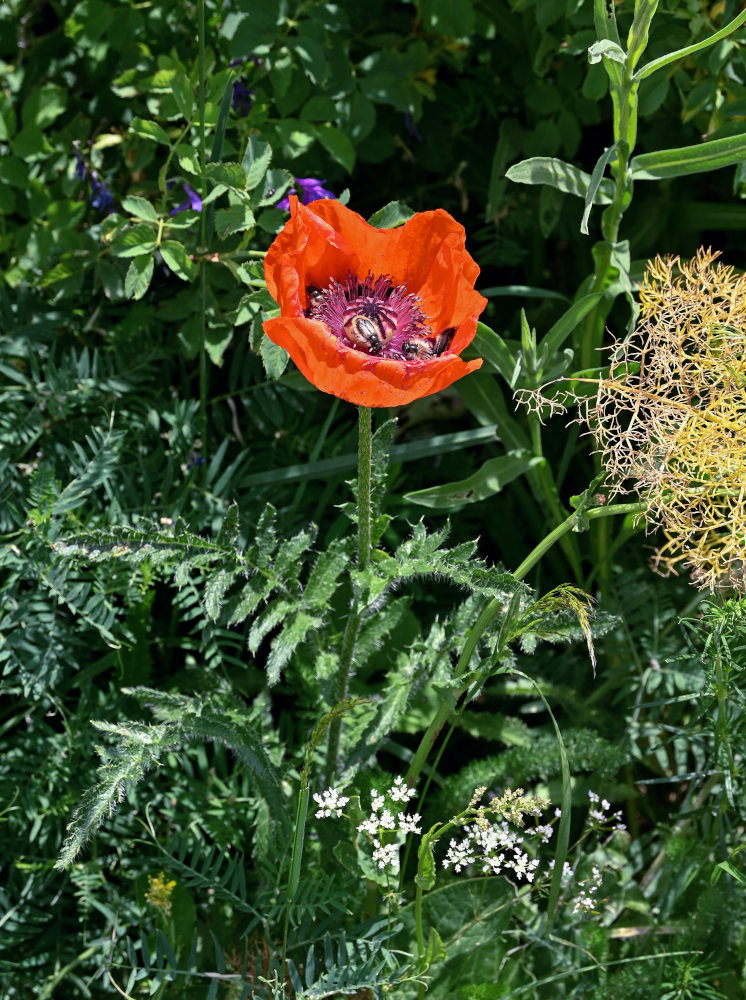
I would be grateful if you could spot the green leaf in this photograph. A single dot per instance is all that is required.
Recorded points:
(149, 130)
(606, 47)
(134, 242)
(595, 182)
(138, 276)
(274, 358)
(394, 214)
(140, 208)
(234, 219)
(491, 346)
(188, 159)
(176, 259)
(565, 325)
(444, 17)
(561, 175)
(336, 143)
(183, 94)
(44, 105)
(230, 175)
(426, 870)
(255, 161)
(490, 479)
(712, 155)
(670, 57)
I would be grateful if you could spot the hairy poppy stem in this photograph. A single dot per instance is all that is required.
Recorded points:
(364, 544)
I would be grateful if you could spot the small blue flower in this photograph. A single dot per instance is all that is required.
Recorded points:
(194, 201)
(309, 189)
(101, 197)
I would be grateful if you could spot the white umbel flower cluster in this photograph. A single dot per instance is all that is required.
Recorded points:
(496, 847)
(385, 826)
(330, 803)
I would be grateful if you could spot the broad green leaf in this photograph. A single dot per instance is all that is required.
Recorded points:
(274, 358)
(230, 175)
(336, 143)
(392, 215)
(561, 175)
(183, 94)
(134, 242)
(712, 155)
(140, 208)
(490, 479)
(150, 130)
(138, 276)
(255, 161)
(234, 219)
(44, 105)
(188, 158)
(176, 259)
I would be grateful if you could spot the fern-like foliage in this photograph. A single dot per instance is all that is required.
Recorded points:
(266, 574)
(138, 748)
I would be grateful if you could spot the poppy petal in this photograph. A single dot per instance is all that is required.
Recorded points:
(325, 242)
(356, 377)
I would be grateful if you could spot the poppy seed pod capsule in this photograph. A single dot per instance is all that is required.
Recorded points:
(377, 317)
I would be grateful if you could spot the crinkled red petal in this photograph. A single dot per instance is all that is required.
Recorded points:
(324, 241)
(356, 377)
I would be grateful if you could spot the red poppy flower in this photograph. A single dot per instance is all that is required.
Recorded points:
(375, 316)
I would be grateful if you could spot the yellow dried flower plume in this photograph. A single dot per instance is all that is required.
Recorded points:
(670, 419)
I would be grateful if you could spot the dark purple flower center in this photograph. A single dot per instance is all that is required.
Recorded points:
(377, 317)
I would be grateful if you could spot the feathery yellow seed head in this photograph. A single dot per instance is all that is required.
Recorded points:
(671, 416)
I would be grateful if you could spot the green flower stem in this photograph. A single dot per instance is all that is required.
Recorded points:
(364, 462)
(549, 490)
(487, 614)
(203, 229)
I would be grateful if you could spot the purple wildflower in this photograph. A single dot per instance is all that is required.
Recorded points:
(243, 97)
(101, 197)
(81, 167)
(309, 189)
(411, 127)
(194, 201)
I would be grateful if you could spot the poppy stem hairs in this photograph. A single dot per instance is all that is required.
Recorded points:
(364, 463)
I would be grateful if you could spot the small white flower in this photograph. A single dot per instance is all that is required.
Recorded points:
(459, 855)
(593, 797)
(330, 803)
(545, 832)
(386, 820)
(558, 812)
(376, 801)
(386, 855)
(400, 792)
(408, 824)
(605, 804)
(369, 825)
